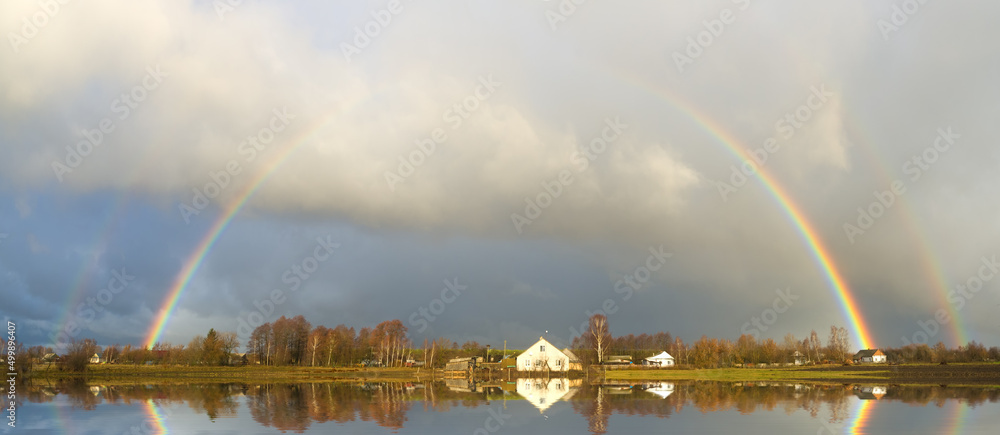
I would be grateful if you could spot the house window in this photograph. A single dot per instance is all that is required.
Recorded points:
(538, 362)
(559, 363)
(527, 363)
(541, 348)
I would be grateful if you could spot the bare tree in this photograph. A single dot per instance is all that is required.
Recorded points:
(599, 335)
(814, 345)
(838, 343)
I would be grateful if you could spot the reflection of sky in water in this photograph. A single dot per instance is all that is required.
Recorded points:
(537, 407)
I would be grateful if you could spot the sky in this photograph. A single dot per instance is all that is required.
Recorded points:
(500, 170)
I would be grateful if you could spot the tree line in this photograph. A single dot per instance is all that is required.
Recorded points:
(295, 342)
(597, 342)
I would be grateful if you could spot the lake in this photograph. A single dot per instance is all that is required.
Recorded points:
(520, 406)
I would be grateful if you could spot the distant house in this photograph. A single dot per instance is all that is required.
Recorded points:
(50, 358)
(869, 356)
(462, 364)
(96, 359)
(798, 358)
(238, 359)
(544, 356)
(663, 359)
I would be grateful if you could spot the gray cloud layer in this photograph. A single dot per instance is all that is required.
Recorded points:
(552, 93)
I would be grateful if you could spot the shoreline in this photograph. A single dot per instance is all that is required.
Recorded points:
(981, 374)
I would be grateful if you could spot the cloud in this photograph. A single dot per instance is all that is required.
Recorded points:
(201, 91)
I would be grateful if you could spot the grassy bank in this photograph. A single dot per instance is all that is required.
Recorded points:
(124, 374)
(952, 374)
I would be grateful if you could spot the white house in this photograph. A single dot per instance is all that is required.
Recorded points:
(798, 358)
(663, 359)
(545, 356)
(96, 359)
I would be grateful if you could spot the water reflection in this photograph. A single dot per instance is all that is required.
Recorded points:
(297, 407)
(542, 393)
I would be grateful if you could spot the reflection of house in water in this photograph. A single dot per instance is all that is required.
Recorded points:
(460, 385)
(544, 392)
(662, 389)
(870, 392)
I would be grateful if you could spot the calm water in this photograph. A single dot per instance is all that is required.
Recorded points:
(552, 406)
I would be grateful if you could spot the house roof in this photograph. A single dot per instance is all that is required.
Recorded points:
(542, 340)
(660, 356)
(569, 354)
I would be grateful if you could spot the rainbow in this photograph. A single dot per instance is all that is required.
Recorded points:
(87, 272)
(820, 252)
(193, 263)
(931, 263)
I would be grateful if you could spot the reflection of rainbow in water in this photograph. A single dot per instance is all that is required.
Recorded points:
(154, 419)
(861, 417)
(954, 426)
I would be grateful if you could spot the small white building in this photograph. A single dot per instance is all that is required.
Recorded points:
(543, 356)
(798, 358)
(663, 359)
(96, 359)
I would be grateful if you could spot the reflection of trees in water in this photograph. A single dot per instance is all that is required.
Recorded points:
(597, 403)
(294, 407)
(214, 400)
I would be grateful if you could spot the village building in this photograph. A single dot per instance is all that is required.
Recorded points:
(798, 358)
(663, 359)
(545, 356)
(870, 356)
